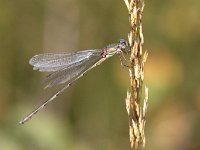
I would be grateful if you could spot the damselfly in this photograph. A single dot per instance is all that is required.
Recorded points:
(65, 68)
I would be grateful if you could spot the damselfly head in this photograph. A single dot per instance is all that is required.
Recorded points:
(124, 46)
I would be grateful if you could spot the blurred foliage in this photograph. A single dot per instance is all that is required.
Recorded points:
(91, 114)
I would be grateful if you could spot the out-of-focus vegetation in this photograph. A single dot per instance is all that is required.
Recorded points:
(91, 114)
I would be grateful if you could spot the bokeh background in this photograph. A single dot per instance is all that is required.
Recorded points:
(91, 114)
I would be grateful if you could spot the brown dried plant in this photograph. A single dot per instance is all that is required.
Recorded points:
(136, 108)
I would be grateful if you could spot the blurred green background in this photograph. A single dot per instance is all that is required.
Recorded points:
(91, 114)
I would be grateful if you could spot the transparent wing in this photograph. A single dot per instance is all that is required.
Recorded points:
(56, 61)
(72, 72)
(66, 75)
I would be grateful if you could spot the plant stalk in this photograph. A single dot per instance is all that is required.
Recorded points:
(135, 106)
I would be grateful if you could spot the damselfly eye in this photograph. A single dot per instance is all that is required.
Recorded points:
(124, 45)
